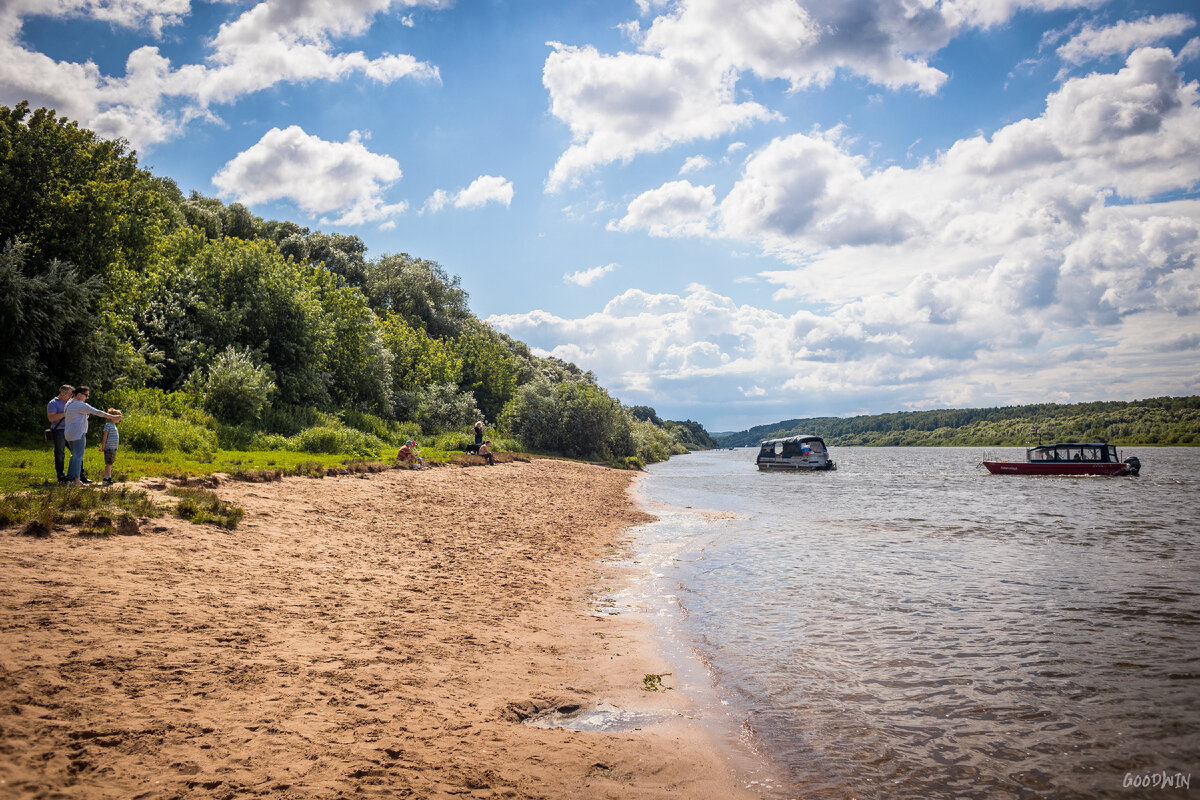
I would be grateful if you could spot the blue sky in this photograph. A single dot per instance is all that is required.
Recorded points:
(736, 212)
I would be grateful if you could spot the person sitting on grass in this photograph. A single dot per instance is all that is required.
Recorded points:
(109, 441)
(485, 451)
(410, 455)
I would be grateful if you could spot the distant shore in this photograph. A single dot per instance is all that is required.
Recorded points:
(387, 634)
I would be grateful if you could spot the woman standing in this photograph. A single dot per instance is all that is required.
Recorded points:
(75, 429)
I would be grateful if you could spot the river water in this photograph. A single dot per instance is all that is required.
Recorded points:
(910, 626)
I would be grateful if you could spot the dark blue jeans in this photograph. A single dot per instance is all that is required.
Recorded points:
(60, 448)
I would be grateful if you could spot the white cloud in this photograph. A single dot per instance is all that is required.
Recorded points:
(695, 164)
(320, 177)
(483, 190)
(677, 208)
(681, 85)
(620, 106)
(586, 277)
(272, 42)
(1038, 261)
(1122, 38)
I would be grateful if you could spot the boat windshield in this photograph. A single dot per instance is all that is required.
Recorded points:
(1094, 453)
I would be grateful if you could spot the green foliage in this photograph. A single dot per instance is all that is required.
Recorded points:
(235, 388)
(439, 407)
(339, 439)
(1158, 420)
(47, 317)
(419, 291)
(75, 197)
(691, 435)
(653, 443)
(489, 368)
(359, 363)
(417, 359)
(157, 433)
(574, 418)
(385, 429)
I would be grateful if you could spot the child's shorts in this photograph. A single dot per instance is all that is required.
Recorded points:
(109, 457)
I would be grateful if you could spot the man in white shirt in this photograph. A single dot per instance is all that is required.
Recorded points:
(76, 416)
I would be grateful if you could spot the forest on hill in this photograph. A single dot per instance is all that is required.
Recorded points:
(1153, 421)
(213, 328)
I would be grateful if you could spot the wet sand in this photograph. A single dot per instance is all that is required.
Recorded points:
(383, 635)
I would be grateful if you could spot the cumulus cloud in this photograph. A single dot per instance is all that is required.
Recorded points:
(483, 190)
(270, 43)
(1051, 256)
(695, 164)
(677, 208)
(318, 176)
(680, 84)
(586, 277)
(1122, 38)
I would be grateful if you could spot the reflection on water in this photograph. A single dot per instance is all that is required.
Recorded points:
(911, 626)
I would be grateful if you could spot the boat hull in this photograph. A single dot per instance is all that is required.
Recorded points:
(1056, 468)
(783, 465)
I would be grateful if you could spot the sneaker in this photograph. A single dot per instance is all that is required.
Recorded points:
(107, 481)
(86, 480)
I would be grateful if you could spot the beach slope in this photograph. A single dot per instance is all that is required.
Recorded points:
(358, 636)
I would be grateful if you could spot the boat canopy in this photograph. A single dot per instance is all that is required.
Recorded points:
(1094, 452)
(792, 445)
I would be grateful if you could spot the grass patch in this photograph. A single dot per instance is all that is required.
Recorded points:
(40, 511)
(23, 468)
(202, 506)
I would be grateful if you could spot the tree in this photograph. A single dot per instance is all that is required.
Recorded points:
(420, 291)
(47, 320)
(77, 198)
(489, 369)
(360, 365)
(248, 295)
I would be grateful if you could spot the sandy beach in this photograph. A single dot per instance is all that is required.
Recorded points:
(356, 636)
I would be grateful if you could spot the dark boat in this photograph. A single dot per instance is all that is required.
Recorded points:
(1068, 458)
(794, 454)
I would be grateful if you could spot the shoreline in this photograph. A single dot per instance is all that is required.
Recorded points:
(385, 633)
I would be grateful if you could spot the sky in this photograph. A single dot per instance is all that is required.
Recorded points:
(734, 211)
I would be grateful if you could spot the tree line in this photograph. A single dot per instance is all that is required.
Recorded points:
(1153, 421)
(110, 275)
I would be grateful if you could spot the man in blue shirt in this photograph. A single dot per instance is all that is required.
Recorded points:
(54, 413)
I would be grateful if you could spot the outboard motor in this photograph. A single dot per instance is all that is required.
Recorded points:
(1134, 464)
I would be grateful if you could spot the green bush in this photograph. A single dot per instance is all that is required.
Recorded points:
(385, 429)
(144, 401)
(288, 419)
(268, 441)
(329, 439)
(654, 444)
(236, 388)
(156, 433)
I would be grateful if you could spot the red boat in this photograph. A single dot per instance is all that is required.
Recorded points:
(1068, 458)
